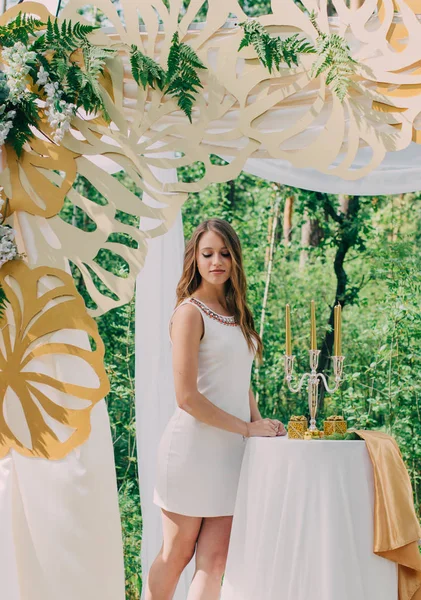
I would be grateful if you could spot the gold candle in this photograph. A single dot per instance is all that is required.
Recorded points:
(288, 330)
(335, 331)
(339, 330)
(313, 339)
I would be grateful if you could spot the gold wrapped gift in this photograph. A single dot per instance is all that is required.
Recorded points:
(335, 424)
(297, 427)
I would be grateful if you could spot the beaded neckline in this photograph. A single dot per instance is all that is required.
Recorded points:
(214, 315)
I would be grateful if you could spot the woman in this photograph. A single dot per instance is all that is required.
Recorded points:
(213, 346)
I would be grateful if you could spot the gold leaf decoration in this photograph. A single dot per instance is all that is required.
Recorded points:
(50, 378)
(30, 189)
(244, 113)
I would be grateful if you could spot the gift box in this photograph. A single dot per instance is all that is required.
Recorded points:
(335, 424)
(297, 427)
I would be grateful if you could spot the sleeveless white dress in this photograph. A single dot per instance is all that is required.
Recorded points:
(198, 464)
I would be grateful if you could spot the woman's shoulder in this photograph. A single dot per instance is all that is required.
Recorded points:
(187, 318)
(187, 312)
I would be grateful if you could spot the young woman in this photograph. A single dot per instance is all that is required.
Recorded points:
(213, 346)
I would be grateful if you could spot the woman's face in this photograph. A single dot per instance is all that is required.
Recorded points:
(213, 258)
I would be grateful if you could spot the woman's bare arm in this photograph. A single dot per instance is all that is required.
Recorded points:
(186, 331)
(254, 411)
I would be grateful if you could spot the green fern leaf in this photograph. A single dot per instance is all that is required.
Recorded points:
(173, 58)
(182, 79)
(145, 70)
(50, 34)
(39, 44)
(19, 29)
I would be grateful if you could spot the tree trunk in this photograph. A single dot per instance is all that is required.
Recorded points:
(288, 212)
(348, 235)
(231, 193)
(343, 203)
(305, 242)
(3, 6)
(311, 235)
(268, 239)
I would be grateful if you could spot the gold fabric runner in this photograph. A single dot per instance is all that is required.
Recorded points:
(396, 526)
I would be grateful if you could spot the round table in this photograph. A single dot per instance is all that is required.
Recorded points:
(303, 525)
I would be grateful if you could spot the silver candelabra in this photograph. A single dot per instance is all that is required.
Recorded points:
(313, 381)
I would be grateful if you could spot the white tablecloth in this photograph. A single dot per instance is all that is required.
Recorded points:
(303, 525)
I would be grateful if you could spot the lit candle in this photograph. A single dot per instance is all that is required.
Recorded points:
(288, 330)
(313, 339)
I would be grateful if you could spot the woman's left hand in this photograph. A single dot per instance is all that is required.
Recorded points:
(280, 428)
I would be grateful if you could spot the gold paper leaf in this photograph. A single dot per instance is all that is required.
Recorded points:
(31, 190)
(46, 403)
(243, 113)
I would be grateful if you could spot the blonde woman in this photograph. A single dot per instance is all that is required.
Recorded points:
(213, 346)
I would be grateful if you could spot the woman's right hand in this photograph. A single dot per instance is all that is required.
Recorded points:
(263, 428)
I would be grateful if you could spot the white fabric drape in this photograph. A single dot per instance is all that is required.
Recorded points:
(59, 523)
(155, 395)
(399, 172)
(59, 520)
(303, 525)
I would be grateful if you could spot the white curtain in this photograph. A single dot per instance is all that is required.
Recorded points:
(398, 173)
(59, 523)
(155, 395)
(60, 532)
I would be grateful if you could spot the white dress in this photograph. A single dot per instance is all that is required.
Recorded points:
(198, 464)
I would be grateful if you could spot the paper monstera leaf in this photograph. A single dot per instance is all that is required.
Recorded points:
(50, 377)
(244, 113)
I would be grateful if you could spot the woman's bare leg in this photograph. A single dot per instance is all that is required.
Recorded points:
(180, 535)
(211, 557)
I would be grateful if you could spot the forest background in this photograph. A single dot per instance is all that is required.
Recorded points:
(297, 245)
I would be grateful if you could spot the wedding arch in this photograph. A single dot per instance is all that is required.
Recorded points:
(282, 123)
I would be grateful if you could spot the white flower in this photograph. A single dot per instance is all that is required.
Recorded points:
(6, 124)
(5, 127)
(16, 59)
(8, 248)
(42, 76)
(59, 118)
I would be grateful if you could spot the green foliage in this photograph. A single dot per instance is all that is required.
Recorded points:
(333, 53)
(272, 51)
(68, 37)
(131, 521)
(334, 58)
(145, 70)
(182, 80)
(19, 30)
(76, 65)
(26, 115)
(80, 82)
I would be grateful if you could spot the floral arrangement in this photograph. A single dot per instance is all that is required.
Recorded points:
(51, 70)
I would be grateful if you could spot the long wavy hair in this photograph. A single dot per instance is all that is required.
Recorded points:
(235, 286)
